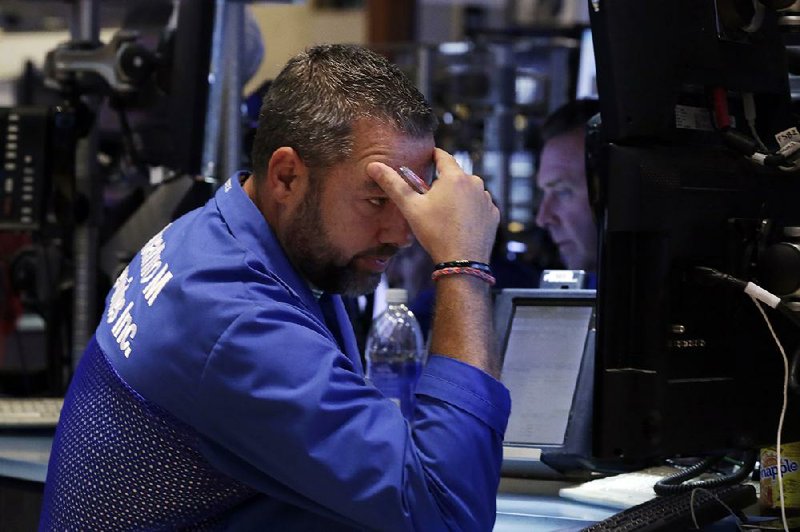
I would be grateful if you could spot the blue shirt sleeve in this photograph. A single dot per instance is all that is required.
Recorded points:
(282, 409)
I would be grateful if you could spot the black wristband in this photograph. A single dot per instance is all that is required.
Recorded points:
(482, 266)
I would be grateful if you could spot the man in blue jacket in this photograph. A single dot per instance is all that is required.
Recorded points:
(223, 388)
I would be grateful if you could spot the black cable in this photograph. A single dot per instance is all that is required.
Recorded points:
(128, 143)
(748, 147)
(710, 276)
(677, 483)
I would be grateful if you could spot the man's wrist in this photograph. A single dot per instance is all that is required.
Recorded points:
(479, 270)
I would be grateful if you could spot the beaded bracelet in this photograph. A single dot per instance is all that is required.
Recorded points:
(464, 264)
(466, 270)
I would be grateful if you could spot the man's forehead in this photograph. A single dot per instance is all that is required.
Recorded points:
(553, 176)
(561, 166)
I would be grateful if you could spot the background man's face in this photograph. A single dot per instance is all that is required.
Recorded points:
(565, 210)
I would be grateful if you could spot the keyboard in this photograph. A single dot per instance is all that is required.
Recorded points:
(30, 412)
(672, 512)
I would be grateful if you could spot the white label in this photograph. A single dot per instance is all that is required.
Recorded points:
(561, 276)
(698, 118)
(521, 453)
(785, 137)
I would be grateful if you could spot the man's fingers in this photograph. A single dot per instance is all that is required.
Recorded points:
(445, 162)
(391, 183)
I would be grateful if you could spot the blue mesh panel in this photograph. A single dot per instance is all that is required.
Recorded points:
(120, 462)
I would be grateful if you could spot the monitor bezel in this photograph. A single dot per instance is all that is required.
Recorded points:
(547, 460)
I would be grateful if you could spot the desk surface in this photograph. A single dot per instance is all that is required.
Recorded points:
(25, 456)
(545, 513)
(521, 505)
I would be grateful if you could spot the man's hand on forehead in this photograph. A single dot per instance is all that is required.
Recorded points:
(455, 220)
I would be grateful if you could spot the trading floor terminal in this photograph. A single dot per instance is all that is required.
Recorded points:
(643, 393)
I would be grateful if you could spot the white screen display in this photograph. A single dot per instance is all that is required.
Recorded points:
(541, 368)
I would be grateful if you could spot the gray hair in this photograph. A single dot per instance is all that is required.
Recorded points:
(316, 99)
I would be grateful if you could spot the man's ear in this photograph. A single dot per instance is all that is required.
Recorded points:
(287, 174)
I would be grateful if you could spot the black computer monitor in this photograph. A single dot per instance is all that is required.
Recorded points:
(189, 68)
(165, 114)
(683, 366)
(546, 337)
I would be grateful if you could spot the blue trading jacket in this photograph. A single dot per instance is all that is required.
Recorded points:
(211, 322)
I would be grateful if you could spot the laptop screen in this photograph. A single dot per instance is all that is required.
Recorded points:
(546, 337)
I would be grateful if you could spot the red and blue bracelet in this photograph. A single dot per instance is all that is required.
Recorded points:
(481, 270)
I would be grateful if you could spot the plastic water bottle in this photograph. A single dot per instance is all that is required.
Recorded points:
(395, 353)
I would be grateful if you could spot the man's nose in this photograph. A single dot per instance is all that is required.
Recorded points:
(395, 229)
(544, 215)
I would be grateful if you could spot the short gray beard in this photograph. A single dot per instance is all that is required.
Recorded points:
(309, 248)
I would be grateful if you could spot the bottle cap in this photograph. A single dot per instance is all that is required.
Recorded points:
(396, 295)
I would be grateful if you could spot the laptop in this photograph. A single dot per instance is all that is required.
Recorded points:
(546, 337)
(24, 372)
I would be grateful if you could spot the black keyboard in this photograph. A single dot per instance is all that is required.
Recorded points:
(672, 512)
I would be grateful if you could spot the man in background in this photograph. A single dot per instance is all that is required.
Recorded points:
(564, 210)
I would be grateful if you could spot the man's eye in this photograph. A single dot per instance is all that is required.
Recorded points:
(378, 202)
(563, 193)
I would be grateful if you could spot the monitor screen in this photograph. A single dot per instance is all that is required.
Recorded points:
(546, 337)
(542, 361)
(587, 72)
